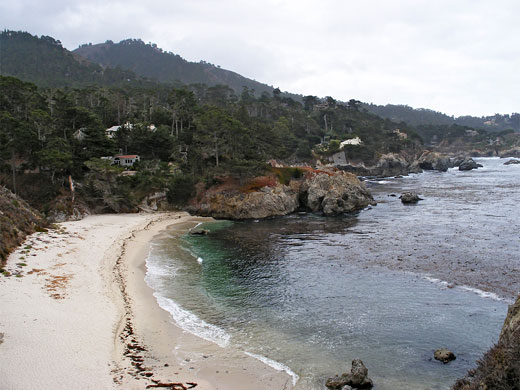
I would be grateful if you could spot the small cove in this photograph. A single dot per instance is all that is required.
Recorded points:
(389, 285)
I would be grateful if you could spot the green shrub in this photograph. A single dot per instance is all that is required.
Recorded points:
(180, 189)
(286, 174)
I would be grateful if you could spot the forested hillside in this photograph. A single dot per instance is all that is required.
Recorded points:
(423, 116)
(200, 136)
(45, 62)
(152, 62)
(54, 146)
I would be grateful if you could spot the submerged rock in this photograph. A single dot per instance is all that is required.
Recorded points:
(468, 164)
(444, 355)
(409, 197)
(357, 378)
(199, 232)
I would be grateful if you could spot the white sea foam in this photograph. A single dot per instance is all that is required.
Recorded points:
(483, 294)
(154, 270)
(276, 365)
(437, 281)
(193, 324)
(196, 226)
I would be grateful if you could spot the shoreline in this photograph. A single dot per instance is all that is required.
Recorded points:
(190, 359)
(80, 314)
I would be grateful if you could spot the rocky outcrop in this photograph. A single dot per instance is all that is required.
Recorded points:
(63, 209)
(431, 161)
(444, 355)
(357, 378)
(393, 164)
(409, 198)
(468, 164)
(390, 164)
(332, 193)
(268, 202)
(155, 202)
(499, 368)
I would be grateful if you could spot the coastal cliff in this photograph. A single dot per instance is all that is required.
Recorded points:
(499, 368)
(332, 193)
(17, 220)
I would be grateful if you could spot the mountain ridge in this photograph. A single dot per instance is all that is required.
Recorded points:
(148, 60)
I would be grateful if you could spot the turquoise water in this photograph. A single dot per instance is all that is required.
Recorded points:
(313, 293)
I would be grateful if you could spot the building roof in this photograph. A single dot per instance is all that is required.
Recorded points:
(127, 156)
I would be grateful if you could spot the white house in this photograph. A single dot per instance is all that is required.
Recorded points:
(125, 160)
(111, 131)
(352, 141)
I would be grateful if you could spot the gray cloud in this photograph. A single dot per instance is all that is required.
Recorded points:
(459, 57)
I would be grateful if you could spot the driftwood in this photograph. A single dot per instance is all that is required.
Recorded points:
(174, 386)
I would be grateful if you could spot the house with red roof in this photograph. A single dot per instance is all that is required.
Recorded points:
(125, 160)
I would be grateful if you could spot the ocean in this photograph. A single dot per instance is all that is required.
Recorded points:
(307, 294)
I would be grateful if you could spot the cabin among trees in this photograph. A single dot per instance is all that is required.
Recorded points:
(126, 160)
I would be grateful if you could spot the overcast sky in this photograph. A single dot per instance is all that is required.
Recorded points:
(455, 56)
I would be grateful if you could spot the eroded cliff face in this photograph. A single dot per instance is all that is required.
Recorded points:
(332, 193)
(17, 220)
(269, 201)
(499, 368)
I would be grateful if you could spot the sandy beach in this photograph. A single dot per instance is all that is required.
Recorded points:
(76, 313)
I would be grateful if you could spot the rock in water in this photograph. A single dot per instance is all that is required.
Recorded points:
(359, 375)
(335, 194)
(409, 197)
(431, 161)
(332, 193)
(337, 382)
(444, 355)
(357, 379)
(469, 164)
(512, 162)
(199, 232)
